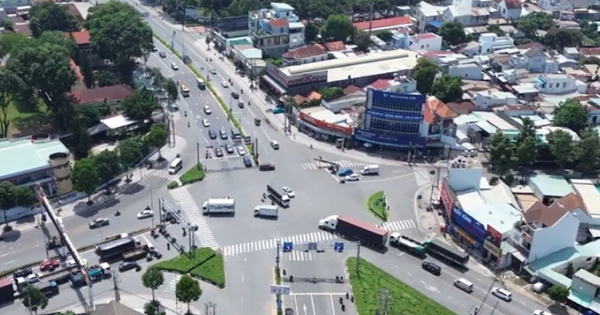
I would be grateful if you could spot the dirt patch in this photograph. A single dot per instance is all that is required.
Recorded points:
(35, 123)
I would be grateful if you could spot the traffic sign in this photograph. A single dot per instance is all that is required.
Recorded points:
(280, 289)
(287, 247)
(338, 247)
(312, 246)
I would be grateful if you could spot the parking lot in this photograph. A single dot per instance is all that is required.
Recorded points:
(319, 303)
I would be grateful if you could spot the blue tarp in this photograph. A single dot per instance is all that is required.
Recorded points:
(436, 24)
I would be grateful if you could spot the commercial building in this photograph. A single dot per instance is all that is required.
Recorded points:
(393, 121)
(276, 30)
(351, 70)
(326, 125)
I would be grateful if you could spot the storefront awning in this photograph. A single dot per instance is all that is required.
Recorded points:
(436, 24)
(274, 84)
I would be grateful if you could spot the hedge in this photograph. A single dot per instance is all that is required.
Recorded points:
(194, 174)
(211, 271)
(185, 262)
(377, 206)
(172, 185)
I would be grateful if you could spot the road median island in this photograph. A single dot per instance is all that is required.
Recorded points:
(194, 174)
(377, 205)
(404, 298)
(211, 271)
(278, 282)
(203, 263)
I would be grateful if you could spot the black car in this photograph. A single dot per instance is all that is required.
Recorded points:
(162, 54)
(229, 149)
(223, 134)
(23, 272)
(247, 161)
(218, 152)
(235, 95)
(128, 265)
(257, 121)
(432, 268)
(241, 104)
(266, 167)
(212, 134)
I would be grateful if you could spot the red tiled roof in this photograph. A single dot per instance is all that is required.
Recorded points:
(424, 36)
(304, 52)
(81, 37)
(380, 84)
(549, 215)
(299, 99)
(98, 95)
(351, 89)
(531, 45)
(432, 54)
(589, 51)
(437, 109)
(389, 22)
(335, 46)
(279, 23)
(76, 70)
(313, 96)
(510, 4)
(462, 108)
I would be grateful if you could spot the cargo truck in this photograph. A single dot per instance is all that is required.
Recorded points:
(115, 248)
(136, 254)
(219, 207)
(367, 233)
(446, 252)
(48, 288)
(408, 244)
(370, 170)
(266, 211)
(7, 290)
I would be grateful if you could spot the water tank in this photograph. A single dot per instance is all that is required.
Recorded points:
(61, 172)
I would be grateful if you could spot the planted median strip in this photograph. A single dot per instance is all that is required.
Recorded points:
(203, 263)
(403, 298)
(377, 205)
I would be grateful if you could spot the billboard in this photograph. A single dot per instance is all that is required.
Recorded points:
(325, 125)
(387, 139)
(468, 224)
(384, 96)
(446, 199)
(405, 116)
(493, 236)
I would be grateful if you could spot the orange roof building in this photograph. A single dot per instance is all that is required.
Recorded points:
(385, 24)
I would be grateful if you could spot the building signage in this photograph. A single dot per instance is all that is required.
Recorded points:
(406, 116)
(307, 78)
(487, 245)
(493, 236)
(325, 125)
(386, 139)
(276, 75)
(446, 199)
(468, 224)
(384, 96)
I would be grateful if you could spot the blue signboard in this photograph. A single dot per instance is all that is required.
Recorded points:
(468, 224)
(406, 116)
(386, 139)
(379, 96)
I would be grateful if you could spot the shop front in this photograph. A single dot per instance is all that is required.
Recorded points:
(323, 130)
(373, 140)
(470, 232)
(446, 199)
(493, 240)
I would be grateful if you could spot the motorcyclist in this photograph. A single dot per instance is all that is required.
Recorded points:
(185, 113)
(117, 213)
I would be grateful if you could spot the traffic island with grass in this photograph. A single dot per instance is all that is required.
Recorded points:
(406, 300)
(377, 204)
(203, 263)
(194, 174)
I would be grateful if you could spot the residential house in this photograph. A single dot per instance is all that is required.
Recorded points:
(83, 41)
(558, 84)
(398, 22)
(439, 119)
(427, 15)
(494, 97)
(564, 5)
(491, 42)
(469, 68)
(112, 95)
(304, 55)
(508, 9)
(467, 16)
(427, 41)
(276, 30)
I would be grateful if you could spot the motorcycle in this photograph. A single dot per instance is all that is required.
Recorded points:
(117, 213)
(185, 113)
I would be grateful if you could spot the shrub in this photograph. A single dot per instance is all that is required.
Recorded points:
(185, 262)
(212, 271)
(172, 185)
(194, 174)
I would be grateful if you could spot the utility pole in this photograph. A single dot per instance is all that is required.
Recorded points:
(436, 183)
(371, 18)
(197, 153)
(357, 258)
(278, 257)
(116, 281)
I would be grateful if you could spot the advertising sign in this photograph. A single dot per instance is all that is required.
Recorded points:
(379, 96)
(325, 125)
(276, 75)
(384, 114)
(446, 199)
(467, 223)
(307, 78)
(493, 236)
(403, 140)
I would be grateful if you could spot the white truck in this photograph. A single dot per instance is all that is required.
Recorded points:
(370, 170)
(266, 211)
(219, 207)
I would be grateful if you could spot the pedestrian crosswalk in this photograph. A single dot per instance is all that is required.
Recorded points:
(170, 287)
(164, 174)
(318, 165)
(187, 204)
(317, 237)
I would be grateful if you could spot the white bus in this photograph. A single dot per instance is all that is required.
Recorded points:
(175, 166)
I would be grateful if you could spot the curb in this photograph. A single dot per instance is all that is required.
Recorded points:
(350, 284)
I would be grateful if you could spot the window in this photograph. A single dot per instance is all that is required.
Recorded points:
(564, 84)
(394, 105)
(393, 127)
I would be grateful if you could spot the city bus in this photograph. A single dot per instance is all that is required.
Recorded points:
(185, 91)
(201, 84)
(278, 195)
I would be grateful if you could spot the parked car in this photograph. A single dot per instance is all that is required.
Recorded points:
(241, 150)
(229, 149)
(128, 265)
(223, 134)
(212, 134)
(145, 214)
(218, 152)
(100, 222)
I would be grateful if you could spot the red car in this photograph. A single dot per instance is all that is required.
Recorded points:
(49, 265)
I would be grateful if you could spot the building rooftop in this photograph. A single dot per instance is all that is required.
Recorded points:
(588, 277)
(589, 195)
(323, 114)
(304, 52)
(81, 37)
(429, 10)
(384, 23)
(98, 95)
(281, 6)
(495, 121)
(502, 216)
(551, 185)
(549, 215)
(27, 154)
(501, 193)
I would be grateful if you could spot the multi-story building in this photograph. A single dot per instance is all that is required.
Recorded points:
(276, 30)
(304, 55)
(558, 84)
(439, 119)
(427, 41)
(490, 42)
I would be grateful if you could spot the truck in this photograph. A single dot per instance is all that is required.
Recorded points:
(367, 233)
(115, 248)
(370, 170)
(136, 254)
(60, 276)
(278, 195)
(408, 244)
(219, 207)
(266, 211)
(48, 288)
(77, 280)
(446, 252)
(7, 290)
(54, 242)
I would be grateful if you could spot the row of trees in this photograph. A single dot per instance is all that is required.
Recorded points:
(187, 290)
(446, 88)
(12, 196)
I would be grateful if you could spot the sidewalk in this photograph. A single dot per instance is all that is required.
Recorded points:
(137, 303)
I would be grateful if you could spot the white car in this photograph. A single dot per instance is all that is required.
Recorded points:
(225, 84)
(274, 145)
(207, 110)
(71, 262)
(205, 123)
(502, 294)
(352, 177)
(145, 214)
(241, 150)
(33, 278)
(540, 312)
(212, 71)
(174, 66)
(289, 192)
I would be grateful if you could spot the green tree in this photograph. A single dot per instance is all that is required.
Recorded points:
(330, 93)
(51, 16)
(25, 197)
(119, 35)
(88, 114)
(86, 71)
(453, 33)
(502, 153)
(385, 36)
(187, 290)
(424, 73)
(588, 151)
(80, 138)
(107, 165)
(571, 114)
(68, 313)
(85, 177)
(592, 60)
(362, 40)
(105, 78)
(311, 31)
(559, 38)
(338, 27)
(152, 279)
(530, 23)
(58, 39)
(527, 130)
(150, 309)
(570, 271)
(496, 30)
(560, 144)
(172, 91)
(156, 138)
(447, 88)
(526, 153)
(558, 294)
(8, 198)
(130, 152)
(34, 299)
(8, 26)
(8, 82)
(139, 105)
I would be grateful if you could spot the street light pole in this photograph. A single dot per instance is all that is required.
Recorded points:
(197, 153)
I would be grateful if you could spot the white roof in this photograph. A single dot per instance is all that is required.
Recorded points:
(590, 195)
(501, 216)
(525, 88)
(495, 121)
(429, 10)
(470, 199)
(117, 122)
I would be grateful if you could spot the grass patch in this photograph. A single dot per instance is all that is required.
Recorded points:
(376, 204)
(184, 263)
(212, 271)
(194, 174)
(172, 185)
(405, 299)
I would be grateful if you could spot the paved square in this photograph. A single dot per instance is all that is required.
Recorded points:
(319, 303)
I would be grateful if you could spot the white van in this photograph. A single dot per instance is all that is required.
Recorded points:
(370, 170)
(175, 166)
(464, 285)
